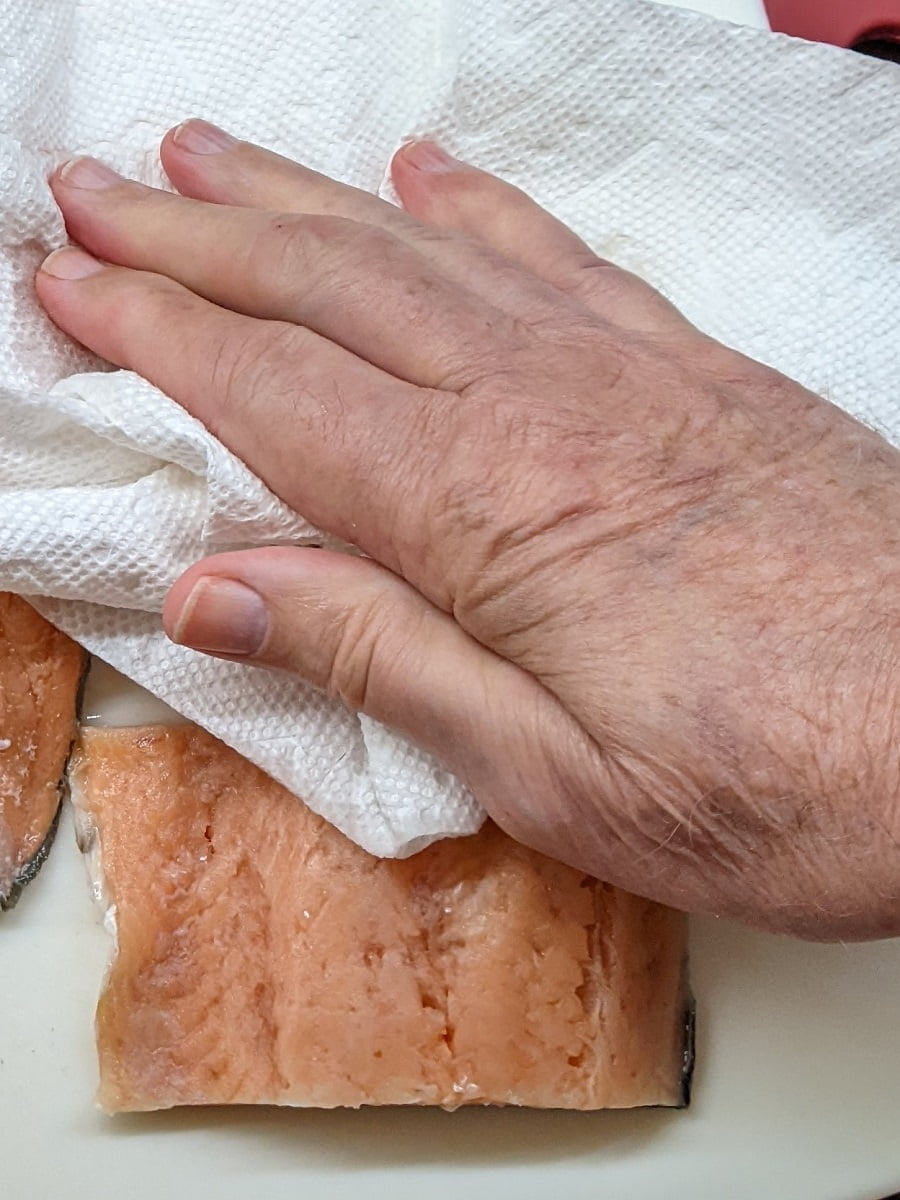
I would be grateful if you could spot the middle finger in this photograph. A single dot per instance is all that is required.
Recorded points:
(353, 283)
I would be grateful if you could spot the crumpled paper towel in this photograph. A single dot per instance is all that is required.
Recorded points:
(755, 180)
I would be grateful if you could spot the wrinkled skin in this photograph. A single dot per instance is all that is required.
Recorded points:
(641, 593)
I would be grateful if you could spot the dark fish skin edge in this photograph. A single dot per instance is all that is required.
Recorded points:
(689, 1053)
(29, 870)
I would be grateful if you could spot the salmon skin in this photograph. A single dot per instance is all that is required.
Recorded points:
(40, 673)
(261, 957)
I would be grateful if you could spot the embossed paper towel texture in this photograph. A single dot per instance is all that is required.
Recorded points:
(755, 180)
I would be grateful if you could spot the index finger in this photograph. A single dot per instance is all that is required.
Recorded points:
(327, 432)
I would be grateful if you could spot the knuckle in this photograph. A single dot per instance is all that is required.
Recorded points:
(470, 199)
(300, 248)
(597, 279)
(281, 249)
(253, 363)
(359, 636)
(143, 306)
(617, 294)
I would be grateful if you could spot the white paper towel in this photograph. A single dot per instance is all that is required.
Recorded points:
(755, 180)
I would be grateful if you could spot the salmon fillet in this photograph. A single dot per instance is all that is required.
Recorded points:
(264, 958)
(40, 670)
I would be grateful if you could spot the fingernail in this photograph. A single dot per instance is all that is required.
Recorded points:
(222, 616)
(71, 263)
(88, 173)
(429, 156)
(200, 137)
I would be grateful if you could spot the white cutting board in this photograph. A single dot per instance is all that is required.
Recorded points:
(796, 1097)
(797, 1089)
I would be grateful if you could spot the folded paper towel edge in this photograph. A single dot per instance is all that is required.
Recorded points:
(367, 817)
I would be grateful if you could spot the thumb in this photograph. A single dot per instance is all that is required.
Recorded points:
(357, 631)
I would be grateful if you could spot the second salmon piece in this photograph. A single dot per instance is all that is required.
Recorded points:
(262, 958)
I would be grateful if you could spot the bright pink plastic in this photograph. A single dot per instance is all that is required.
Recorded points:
(843, 22)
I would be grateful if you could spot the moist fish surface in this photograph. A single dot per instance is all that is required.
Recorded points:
(40, 671)
(261, 957)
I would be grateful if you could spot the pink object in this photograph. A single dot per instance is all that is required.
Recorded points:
(861, 24)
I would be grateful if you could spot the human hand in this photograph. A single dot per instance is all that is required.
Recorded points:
(640, 593)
